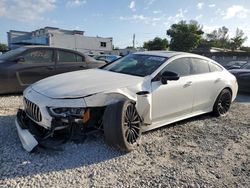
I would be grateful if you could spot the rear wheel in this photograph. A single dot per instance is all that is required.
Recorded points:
(222, 103)
(122, 125)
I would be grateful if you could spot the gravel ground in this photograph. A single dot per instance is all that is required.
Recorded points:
(199, 152)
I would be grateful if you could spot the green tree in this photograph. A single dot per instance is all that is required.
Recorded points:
(3, 47)
(238, 40)
(156, 44)
(185, 36)
(219, 38)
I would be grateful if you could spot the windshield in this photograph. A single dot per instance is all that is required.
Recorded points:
(12, 53)
(246, 66)
(136, 64)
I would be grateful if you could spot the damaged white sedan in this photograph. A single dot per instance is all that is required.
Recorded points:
(136, 93)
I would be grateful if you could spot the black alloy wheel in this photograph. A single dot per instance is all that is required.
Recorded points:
(131, 125)
(222, 103)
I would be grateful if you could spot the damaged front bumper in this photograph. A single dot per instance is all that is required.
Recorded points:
(72, 128)
(28, 140)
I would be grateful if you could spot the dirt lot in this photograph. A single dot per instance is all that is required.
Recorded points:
(199, 152)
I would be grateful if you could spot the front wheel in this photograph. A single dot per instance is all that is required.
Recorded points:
(222, 103)
(122, 125)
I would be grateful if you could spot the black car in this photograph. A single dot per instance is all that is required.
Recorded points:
(25, 65)
(243, 77)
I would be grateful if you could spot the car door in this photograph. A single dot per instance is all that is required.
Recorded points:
(174, 99)
(207, 84)
(35, 64)
(243, 78)
(69, 61)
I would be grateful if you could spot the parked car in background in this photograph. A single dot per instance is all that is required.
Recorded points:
(136, 93)
(235, 64)
(107, 58)
(243, 77)
(25, 65)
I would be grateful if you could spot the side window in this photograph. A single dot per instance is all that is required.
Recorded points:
(180, 66)
(214, 68)
(39, 56)
(80, 58)
(64, 56)
(200, 66)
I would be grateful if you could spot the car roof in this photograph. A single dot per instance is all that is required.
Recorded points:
(51, 47)
(167, 54)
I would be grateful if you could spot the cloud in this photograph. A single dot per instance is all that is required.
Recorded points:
(75, 3)
(26, 11)
(180, 15)
(200, 5)
(157, 11)
(211, 5)
(198, 17)
(144, 19)
(150, 2)
(134, 17)
(132, 5)
(235, 11)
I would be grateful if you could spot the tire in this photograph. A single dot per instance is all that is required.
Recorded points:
(222, 103)
(122, 126)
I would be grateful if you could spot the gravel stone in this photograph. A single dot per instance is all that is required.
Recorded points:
(203, 151)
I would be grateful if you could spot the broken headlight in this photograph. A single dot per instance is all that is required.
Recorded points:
(65, 112)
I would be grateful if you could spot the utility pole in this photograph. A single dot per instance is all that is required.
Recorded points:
(133, 40)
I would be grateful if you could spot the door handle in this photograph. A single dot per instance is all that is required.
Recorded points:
(189, 83)
(217, 80)
(50, 68)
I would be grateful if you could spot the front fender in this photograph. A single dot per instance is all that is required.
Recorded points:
(143, 102)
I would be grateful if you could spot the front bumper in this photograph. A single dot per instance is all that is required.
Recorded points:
(27, 139)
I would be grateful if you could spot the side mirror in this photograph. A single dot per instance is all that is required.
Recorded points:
(20, 59)
(168, 75)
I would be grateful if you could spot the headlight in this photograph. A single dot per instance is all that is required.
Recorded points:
(64, 112)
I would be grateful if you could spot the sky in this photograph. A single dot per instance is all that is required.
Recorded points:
(121, 19)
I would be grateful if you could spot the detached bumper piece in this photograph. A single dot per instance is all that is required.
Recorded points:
(27, 139)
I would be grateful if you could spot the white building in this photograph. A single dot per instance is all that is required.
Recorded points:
(70, 39)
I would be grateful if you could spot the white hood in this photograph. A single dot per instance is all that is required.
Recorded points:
(82, 83)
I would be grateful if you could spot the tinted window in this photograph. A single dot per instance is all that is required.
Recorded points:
(136, 64)
(200, 66)
(64, 56)
(39, 56)
(214, 68)
(180, 66)
(79, 58)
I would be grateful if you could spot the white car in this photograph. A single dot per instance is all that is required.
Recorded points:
(136, 93)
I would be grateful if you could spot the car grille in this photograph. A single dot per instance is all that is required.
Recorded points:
(32, 110)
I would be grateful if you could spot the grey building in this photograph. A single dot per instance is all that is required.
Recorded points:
(51, 36)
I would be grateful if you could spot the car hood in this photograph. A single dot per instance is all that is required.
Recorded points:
(83, 83)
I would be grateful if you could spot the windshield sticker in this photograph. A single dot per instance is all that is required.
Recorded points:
(157, 58)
